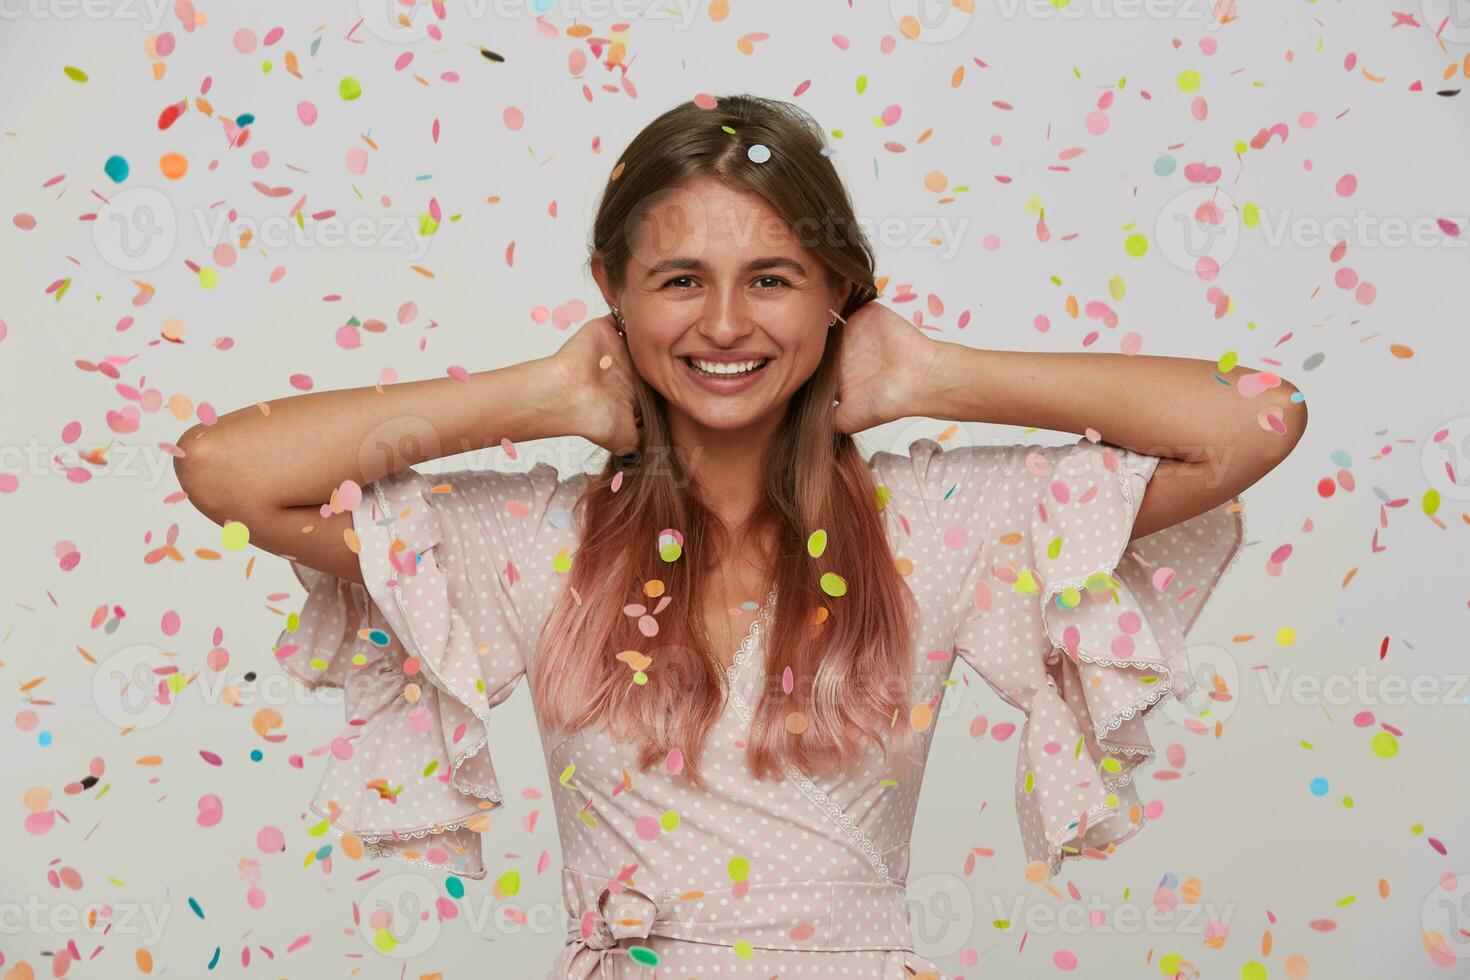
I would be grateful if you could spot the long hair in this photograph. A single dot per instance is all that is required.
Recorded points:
(850, 656)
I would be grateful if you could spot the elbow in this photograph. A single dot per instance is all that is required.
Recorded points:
(1293, 413)
(192, 467)
(1285, 420)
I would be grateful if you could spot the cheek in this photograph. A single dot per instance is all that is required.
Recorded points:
(808, 350)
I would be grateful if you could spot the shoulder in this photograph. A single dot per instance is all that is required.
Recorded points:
(519, 509)
(940, 484)
(518, 493)
(927, 463)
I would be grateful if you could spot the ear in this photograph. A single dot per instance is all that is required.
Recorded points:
(845, 289)
(599, 273)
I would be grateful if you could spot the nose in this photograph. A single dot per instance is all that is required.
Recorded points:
(725, 319)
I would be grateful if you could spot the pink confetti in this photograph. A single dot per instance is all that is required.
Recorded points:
(211, 810)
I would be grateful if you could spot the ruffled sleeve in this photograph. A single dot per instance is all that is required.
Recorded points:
(456, 576)
(1084, 632)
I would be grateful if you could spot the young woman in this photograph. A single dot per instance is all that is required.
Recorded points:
(735, 776)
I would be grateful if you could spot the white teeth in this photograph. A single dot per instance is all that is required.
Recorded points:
(716, 367)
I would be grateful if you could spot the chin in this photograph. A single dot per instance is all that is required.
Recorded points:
(724, 422)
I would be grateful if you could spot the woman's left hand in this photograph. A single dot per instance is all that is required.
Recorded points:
(886, 361)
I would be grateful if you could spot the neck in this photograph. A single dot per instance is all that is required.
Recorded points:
(727, 465)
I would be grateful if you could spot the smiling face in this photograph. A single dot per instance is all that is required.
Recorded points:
(726, 311)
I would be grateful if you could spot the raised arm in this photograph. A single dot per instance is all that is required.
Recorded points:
(1215, 432)
(273, 465)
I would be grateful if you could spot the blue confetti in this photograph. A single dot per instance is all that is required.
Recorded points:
(116, 168)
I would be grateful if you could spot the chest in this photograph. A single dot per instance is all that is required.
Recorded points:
(727, 626)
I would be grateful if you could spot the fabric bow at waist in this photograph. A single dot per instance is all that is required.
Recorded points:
(822, 916)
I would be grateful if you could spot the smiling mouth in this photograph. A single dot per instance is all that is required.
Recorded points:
(710, 369)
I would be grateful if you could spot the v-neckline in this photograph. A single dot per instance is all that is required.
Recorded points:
(752, 636)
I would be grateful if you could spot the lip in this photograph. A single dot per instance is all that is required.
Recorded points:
(726, 356)
(724, 386)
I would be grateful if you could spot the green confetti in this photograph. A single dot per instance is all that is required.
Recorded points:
(739, 869)
(834, 585)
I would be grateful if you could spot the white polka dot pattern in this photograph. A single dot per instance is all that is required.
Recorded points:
(1061, 616)
(459, 583)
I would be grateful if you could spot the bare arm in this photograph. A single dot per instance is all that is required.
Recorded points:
(1211, 445)
(273, 465)
(1209, 437)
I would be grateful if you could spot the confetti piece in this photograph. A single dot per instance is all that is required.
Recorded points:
(116, 169)
(173, 165)
(833, 584)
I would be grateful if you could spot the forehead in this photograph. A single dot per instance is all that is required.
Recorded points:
(710, 224)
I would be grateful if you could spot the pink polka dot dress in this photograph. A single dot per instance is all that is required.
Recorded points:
(1021, 561)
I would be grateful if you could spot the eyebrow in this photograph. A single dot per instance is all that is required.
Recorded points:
(755, 265)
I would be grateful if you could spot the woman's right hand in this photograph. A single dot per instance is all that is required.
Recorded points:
(603, 407)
